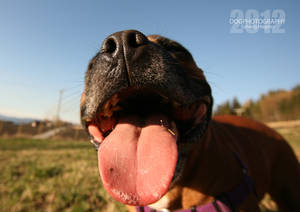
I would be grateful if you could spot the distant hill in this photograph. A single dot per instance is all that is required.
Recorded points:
(278, 105)
(16, 120)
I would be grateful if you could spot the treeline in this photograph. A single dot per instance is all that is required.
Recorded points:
(276, 105)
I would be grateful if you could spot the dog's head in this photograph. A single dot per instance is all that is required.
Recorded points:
(145, 103)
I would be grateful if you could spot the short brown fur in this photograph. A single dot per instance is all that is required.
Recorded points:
(212, 167)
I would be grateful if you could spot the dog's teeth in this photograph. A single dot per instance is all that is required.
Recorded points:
(173, 129)
(95, 143)
(161, 123)
(92, 141)
(88, 120)
(116, 108)
(107, 113)
(107, 105)
(114, 100)
(110, 106)
(173, 133)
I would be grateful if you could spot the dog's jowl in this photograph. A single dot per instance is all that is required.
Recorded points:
(147, 107)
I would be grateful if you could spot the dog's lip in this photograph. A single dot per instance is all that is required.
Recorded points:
(109, 105)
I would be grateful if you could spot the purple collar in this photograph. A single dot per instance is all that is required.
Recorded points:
(226, 202)
(215, 206)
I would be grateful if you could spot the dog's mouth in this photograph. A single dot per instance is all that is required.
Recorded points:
(138, 132)
(144, 103)
(129, 103)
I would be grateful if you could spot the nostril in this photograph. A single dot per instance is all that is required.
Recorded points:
(136, 39)
(122, 42)
(109, 46)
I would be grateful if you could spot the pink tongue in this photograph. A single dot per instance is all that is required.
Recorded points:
(137, 164)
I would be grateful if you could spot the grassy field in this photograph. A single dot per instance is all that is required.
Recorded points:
(292, 135)
(39, 175)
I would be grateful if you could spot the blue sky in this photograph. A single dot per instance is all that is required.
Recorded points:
(45, 47)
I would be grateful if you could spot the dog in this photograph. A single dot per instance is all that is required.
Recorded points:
(148, 109)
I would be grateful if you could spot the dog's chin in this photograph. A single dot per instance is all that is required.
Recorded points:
(138, 133)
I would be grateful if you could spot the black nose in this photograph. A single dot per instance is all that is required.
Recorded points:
(126, 42)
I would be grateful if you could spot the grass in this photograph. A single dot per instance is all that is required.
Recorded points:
(292, 135)
(38, 175)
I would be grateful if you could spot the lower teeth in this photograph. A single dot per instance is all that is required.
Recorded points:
(96, 144)
(172, 132)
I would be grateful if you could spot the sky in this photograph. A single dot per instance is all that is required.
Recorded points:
(45, 47)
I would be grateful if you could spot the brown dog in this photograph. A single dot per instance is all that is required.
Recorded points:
(148, 106)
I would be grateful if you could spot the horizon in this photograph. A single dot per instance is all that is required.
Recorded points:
(14, 116)
(46, 47)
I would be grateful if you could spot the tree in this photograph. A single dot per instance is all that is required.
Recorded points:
(235, 103)
(224, 109)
